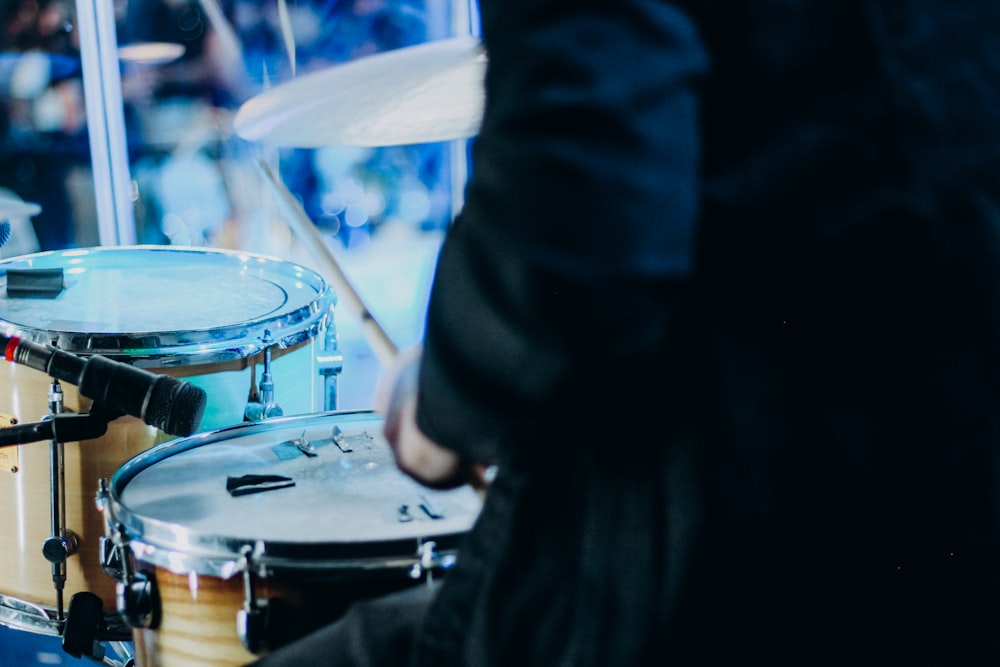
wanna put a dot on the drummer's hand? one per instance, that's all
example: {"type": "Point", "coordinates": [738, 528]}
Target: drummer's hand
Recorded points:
{"type": "Point", "coordinates": [416, 455]}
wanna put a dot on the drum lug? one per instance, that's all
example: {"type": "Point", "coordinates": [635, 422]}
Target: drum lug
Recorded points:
{"type": "Point", "coordinates": [111, 558]}
{"type": "Point", "coordinates": [136, 594]}
{"type": "Point", "coordinates": [251, 626]}
{"type": "Point", "coordinates": [109, 549]}
{"type": "Point", "coordinates": [428, 560]}
{"type": "Point", "coordinates": [253, 620]}
{"type": "Point", "coordinates": [137, 601]}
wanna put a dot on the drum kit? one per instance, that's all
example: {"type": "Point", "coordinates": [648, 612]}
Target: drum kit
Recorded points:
{"type": "Point", "coordinates": [141, 545]}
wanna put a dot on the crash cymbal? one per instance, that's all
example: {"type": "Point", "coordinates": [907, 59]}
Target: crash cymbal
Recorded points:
{"type": "Point", "coordinates": [417, 94]}
{"type": "Point", "coordinates": [15, 208]}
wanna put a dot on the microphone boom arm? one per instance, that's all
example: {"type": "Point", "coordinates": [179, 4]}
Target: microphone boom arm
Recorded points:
{"type": "Point", "coordinates": [64, 427]}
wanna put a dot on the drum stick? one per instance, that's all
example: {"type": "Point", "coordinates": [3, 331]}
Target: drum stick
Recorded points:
{"type": "Point", "coordinates": [304, 228]}
{"type": "Point", "coordinates": [384, 348]}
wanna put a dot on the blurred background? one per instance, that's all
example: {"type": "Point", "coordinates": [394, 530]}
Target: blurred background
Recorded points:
{"type": "Point", "coordinates": [186, 67]}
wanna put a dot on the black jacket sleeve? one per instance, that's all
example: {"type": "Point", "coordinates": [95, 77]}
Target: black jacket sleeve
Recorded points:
{"type": "Point", "coordinates": [578, 221]}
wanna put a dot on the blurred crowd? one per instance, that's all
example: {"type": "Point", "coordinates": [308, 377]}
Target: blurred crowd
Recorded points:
{"type": "Point", "coordinates": [193, 178]}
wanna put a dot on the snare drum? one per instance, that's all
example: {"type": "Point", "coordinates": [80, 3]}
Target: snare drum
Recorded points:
{"type": "Point", "coordinates": [208, 317]}
{"type": "Point", "coordinates": [235, 542]}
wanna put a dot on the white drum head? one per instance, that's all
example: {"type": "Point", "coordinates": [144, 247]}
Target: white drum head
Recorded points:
{"type": "Point", "coordinates": [348, 501]}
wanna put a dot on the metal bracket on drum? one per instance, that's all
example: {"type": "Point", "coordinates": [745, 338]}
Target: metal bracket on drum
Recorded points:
{"type": "Point", "coordinates": [330, 363]}
{"type": "Point", "coordinates": [253, 620]}
{"type": "Point", "coordinates": [261, 405]}
{"type": "Point", "coordinates": [136, 595]}
{"type": "Point", "coordinates": [108, 550]}
{"type": "Point", "coordinates": [430, 561]}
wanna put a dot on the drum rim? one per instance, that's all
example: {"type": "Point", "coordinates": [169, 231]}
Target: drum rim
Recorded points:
{"type": "Point", "coordinates": [182, 550]}
{"type": "Point", "coordinates": [19, 614]}
{"type": "Point", "coordinates": [44, 619]}
{"type": "Point", "coordinates": [179, 347]}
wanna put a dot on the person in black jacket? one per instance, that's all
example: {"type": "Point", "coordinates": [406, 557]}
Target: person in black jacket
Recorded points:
{"type": "Point", "coordinates": [723, 309]}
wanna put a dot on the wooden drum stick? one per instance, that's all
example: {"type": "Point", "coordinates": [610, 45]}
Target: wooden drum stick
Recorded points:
{"type": "Point", "coordinates": [304, 228]}
{"type": "Point", "coordinates": [385, 349]}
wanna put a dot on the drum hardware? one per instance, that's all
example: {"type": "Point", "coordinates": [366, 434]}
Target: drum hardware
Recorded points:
{"type": "Point", "coordinates": [172, 405]}
{"type": "Point", "coordinates": [210, 347]}
{"type": "Point", "coordinates": [85, 625]}
{"type": "Point", "coordinates": [63, 427]}
{"type": "Point", "coordinates": [87, 631]}
{"type": "Point", "coordinates": [60, 544]}
{"type": "Point", "coordinates": [137, 599]}
{"type": "Point", "coordinates": [430, 561]}
{"type": "Point", "coordinates": [17, 613]}
{"type": "Point", "coordinates": [343, 441]}
{"type": "Point", "coordinates": [239, 574]}
{"type": "Point", "coordinates": [431, 508]}
{"type": "Point", "coordinates": [261, 405]}
{"type": "Point", "coordinates": [329, 363]}
{"type": "Point", "coordinates": [109, 551]}
{"type": "Point", "coordinates": [82, 626]}
{"type": "Point", "coordinates": [303, 444]}
{"type": "Point", "coordinates": [59, 427]}
{"type": "Point", "coordinates": [135, 592]}
{"type": "Point", "coordinates": [252, 620]}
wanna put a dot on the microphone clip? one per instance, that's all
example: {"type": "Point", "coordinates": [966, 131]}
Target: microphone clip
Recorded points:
{"type": "Point", "coordinates": [63, 427]}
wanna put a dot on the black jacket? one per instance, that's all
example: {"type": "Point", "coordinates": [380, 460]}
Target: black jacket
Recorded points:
{"type": "Point", "coordinates": [724, 305]}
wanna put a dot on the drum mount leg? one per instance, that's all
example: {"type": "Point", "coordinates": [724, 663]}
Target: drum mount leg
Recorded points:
{"type": "Point", "coordinates": [261, 405]}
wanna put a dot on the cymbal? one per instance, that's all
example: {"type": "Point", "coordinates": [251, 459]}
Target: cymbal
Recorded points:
{"type": "Point", "coordinates": [15, 208]}
{"type": "Point", "coordinates": [416, 94]}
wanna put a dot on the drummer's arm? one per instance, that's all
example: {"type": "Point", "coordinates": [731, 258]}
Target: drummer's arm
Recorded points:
{"type": "Point", "coordinates": [417, 455]}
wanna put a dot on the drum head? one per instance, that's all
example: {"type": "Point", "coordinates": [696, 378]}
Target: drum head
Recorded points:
{"type": "Point", "coordinates": [162, 306]}
{"type": "Point", "coordinates": [345, 497]}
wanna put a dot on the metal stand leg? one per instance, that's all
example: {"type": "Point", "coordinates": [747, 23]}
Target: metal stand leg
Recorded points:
{"type": "Point", "coordinates": [61, 543]}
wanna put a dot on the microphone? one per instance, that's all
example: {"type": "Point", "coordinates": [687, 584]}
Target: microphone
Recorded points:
{"type": "Point", "coordinates": [4, 233]}
{"type": "Point", "coordinates": [173, 406]}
